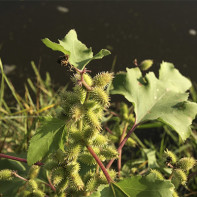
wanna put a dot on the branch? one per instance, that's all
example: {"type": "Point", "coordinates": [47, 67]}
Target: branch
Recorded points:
{"type": "Point", "coordinates": [100, 164]}
{"type": "Point", "coordinates": [123, 143]}
{"type": "Point", "coordinates": [18, 159]}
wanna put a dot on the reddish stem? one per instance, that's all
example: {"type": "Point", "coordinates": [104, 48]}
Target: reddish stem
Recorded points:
{"type": "Point", "coordinates": [122, 144]}
{"type": "Point", "coordinates": [18, 176]}
{"type": "Point", "coordinates": [100, 164]}
{"type": "Point", "coordinates": [18, 159]}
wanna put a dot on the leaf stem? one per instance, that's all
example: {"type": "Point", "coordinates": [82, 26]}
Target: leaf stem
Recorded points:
{"type": "Point", "coordinates": [123, 143]}
{"type": "Point", "coordinates": [18, 176]}
{"type": "Point", "coordinates": [109, 180]}
{"type": "Point", "coordinates": [18, 159]}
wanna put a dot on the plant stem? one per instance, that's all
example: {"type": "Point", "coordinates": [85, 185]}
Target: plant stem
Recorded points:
{"type": "Point", "coordinates": [120, 152]}
{"type": "Point", "coordinates": [109, 180]}
{"type": "Point", "coordinates": [50, 184]}
{"type": "Point", "coordinates": [18, 159]}
{"type": "Point", "coordinates": [18, 176]}
{"type": "Point", "coordinates": [122, 143]}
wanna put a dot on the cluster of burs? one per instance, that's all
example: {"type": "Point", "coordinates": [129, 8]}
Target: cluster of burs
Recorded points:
{"type": "Point", "coordinates": [83, 110]}
{"type": "Point", "coordinates": [180, 169]}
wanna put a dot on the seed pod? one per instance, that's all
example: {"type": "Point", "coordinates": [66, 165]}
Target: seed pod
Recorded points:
{"type": "Point", "coordinates": [33, 172]}
{"type": "Point", "coordinates": [92, 120]}
{"type": "Point", "coordinates": [58, 175]}
{"type": "Point", "coordinates": [81, 92]}
{"type": "Point", "coordinates": [90, 133]}
{"type": "Point", "coordinates": [186, 163]}
{"type": "Point", "coordinates": [32, 185]}
{"type": "Point", "coordinates": [73, 167]}
{"type": "Point", "coordinates": [86, 158]}
{"type": "Point", "coordinates": [76, 112]}
{"type": "Point", "coordinates": [76, 181]}
{"type": "Point", "coordinates": [63, 186]}
{"type": "Point", "coordinates": [157, 174]}
{"type": "Point", "coordinates": [72, 152]}
{"type": "Point", "coordinates": [50, 164]}
{"type": "Point", "coordinates": [6, 175]}
{"type": "Point", "coordinates": [100, 96]}
{"type": "Point", "coordinates": [102, 79]}
{"type": "Point", "coordinates": [38, 193]}
{"type": "Point", "coordinates": [109, 152]}
{"type": "Point", "coordinates": [180, 175]}
{"type": "Point", "coordinates": [92, 184]}
{"type": "Point", "coordinates": [100, 140]}
{"type": "Point", "coordinates": [171, 155]}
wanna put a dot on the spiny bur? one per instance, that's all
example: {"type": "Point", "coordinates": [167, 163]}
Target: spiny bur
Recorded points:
{"type": "Point", "coordinates": [6, 175]}
{"type": "Point", "coordinates": [180, 175]}
{"type": "Point", "coordinates": [100, 96]}
{"type": "Point", "coordinates": [186, 163]}
{"type": "Point", "coordinates": [171, 155]}
{"type": "Point", "coordinates": [157, 174]}
{"type": "Point", "coordinates": [102, 79]}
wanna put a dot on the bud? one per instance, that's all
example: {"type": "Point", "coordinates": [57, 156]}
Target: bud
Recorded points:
{"type": "Point", "coordinates": [81, 92]}
{"type": "Point", "coordinates": [186, 163]}
{"type": "Point", "coordinates": [63, 186]}
{"type": "Point", "coordinates": [100, 140]}
{"type": "Point", "coordinates": [6, 175]}
{"type": "Point", "coordinates": [146, 64]}
{"type": "Point", "coordinates": [73, 167]}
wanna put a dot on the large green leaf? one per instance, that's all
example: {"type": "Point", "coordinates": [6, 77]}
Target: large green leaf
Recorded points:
{"type": "Point", "coordinates": [137, 186]}
{"type": "Point", "coordinates": [164, 98]}
{"type": "Point", "coordinates": [49, 138]}
{"type": "Point", "coordinates": [79, 54]}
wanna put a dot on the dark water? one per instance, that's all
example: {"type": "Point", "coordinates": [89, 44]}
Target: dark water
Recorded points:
{"type": "Point", "coordinates": [153, 30]}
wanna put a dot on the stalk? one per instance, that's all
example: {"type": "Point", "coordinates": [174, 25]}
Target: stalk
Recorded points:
{"type": "Point", "coordinates": [109, 180]}
{"type": "Point", "coordinates": [123, 143]}
{"type": "Point", "coordinates": [18, 159]}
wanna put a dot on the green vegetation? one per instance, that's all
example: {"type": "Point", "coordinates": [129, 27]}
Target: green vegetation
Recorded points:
{"type": "Point", "coordinates": [78, 143]}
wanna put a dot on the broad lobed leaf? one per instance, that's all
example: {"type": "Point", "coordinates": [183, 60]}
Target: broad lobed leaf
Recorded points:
{"type": "Point", "coordinates": [164, 98]}
{"type": "Point", "coordinates": [137, 186]}
{"type": "Point", "coordinates": [79, 54]}
{"type": "Point", "coordinates": [49, 138]}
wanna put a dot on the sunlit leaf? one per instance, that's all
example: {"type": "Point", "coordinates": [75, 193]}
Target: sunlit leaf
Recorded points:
{"type": "Point", "coordinates": [79, 54]}
{"type": "Point", "coordinates": [164, 98]}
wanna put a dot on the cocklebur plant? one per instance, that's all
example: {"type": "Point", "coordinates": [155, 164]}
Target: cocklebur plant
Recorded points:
{"type": "Point", "coordinates": [76, 151]}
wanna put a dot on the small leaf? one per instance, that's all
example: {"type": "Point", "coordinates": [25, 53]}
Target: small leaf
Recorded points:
{"type": "Point", "coordinates": [79, 54]}
{"type": "Point", "coordinates": [152, 161]}
{"type": "Point", "coordinates": [162, 98]}
{"type": "Point", "coordinates": [49, 138]}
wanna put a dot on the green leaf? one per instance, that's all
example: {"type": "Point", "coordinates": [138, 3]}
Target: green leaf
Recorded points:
{"type": "Point", "coordinates": [152, 161]}
{"type": "Point", "coordinates": [49, 138]}
{"type": "Point", "coordinates": [137, 186]}
{"type": "Point", "coordinates": [164, 98]}
{"type": "Point", "coordinates": [79, 54]}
